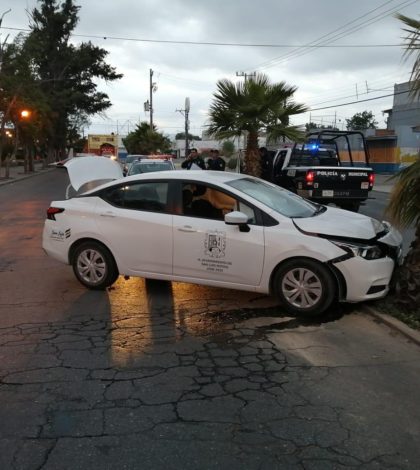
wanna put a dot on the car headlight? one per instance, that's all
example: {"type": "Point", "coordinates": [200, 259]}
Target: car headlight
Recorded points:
{"type": "Point", "coordinates": [364, 251]}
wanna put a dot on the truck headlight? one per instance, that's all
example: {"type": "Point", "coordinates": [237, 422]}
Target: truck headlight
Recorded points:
{"type": "Point", "coordinates": [364, 251]}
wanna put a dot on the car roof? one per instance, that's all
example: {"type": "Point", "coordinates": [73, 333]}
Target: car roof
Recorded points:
{"type": "Point", "coordinates": [203, 176]}
{"type": "Point", "coordinates": [89, 169]}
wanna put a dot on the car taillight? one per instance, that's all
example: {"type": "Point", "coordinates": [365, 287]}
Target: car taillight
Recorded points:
{"type": "Point", "coordinates": [371, 179]}
{"type": "Point", "coordinates": [310, 175]}
{"type": "Point", "coordinates": [52, 211]}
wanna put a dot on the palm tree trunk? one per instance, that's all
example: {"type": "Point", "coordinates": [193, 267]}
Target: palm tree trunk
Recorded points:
{"type": "Point", "coordinates": [252, 155]}
{"type": "Point", "coordinates": [407, 276]}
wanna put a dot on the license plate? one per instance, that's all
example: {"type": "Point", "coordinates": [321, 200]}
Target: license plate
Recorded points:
{"type": "Point", "coordinates": [328, 193]}
{"type": "Point", "coordinates": [365, 185]}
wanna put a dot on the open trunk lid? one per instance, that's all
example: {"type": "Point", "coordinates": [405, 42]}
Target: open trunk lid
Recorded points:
{"type": "Point", "coordinates": [90, 172]}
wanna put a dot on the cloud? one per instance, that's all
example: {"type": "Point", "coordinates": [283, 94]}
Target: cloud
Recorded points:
{"type": "Point", "coordinates": [323, 75]}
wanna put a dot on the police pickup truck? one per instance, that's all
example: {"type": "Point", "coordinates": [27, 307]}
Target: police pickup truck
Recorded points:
{"type": "Point", "coordinates": [323, 169]}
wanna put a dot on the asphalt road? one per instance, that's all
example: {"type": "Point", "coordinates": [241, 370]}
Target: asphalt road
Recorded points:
{"type": "Point", "coordinates": [158, 375]}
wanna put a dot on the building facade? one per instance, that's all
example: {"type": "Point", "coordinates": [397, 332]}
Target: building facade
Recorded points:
{"type": "Point", "coordinates": [399, 144]}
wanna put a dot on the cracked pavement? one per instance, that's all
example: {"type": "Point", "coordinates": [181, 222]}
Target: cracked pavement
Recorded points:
{"type": "Point", "coordinates": [158, 375]}
{"type": "Point", "coordinates": [154, 375]}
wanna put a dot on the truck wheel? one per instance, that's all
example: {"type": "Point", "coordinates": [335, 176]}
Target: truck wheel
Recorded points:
{"type": "Point", "coordinates": [94, 266]}
{"type": "Point", "coordinates": [351, 206]}
{"type": "Point", "coordinates": [305, 287]}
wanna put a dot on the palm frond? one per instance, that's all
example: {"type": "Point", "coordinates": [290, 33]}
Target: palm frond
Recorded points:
{"type": "Point", "coordinates": [412, 46]}
{"type": "Point", "coordinates": [278, 131]}
{"type": "Point", "coordinates": [404, 205]}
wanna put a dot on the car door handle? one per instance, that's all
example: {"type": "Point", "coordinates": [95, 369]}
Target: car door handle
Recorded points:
{"type": "Point", "coordinates": [108, 214]}
{"type": "Point", "coordinates": [187, 228]}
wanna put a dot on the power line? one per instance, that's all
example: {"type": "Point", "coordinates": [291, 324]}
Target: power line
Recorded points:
{"type": "Point", "coordinates": [359, 101]}
{"type": "Point", "coordinates": [321, 42]}
{"type": "Point", "coordinates": [205, 43]}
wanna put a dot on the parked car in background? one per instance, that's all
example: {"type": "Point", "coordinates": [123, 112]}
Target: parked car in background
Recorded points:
{"type": "Point", "coordinates": [218, 229]}
{"type": "Point", "coordinates": [148, 165]}
{"type": "Point", "coordinates": [129, 159]}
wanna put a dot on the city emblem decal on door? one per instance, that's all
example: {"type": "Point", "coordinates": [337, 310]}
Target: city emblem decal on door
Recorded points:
{"type": "Point", "coordinates": [215, 244]}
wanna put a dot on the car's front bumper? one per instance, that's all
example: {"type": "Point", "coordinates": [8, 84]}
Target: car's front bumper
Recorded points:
{"type": "Point", "coordinates": [366, 279]}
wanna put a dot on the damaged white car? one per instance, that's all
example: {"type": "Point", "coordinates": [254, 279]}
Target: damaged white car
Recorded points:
{"type": "Point", "coordinates": [218, 229]}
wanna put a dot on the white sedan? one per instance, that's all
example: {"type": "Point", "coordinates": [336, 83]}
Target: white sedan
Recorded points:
{"type": "Point", "coordinates": [218, 229]}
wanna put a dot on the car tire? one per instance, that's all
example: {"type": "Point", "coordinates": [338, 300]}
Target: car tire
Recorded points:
{"type": "Point", "coordinates": [94, 266]}
{"type": "Point", "coordinates": [305, 287]}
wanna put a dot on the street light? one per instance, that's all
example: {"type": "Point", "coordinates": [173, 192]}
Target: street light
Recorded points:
{"type": "Point", "coordinates": [25, 114]}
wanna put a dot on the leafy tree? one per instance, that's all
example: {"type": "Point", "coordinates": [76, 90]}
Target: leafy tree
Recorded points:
{"type": "Point", "coordinates": [20, 90]}
{"type": "Point", "coordinates": [181, 136]}
{"type": "Point", "coordinates": [404, 204]}
{"type": "Point", "coordinates": [361, 121]}
{"type": "Point", "coordinates": [228, 148]}
{"type": "Point", "coordinates": [309, 126]}
{"type": "Point", "coordinates": [144, 140]}
{"type": "Point", "coordinates": [254, 106]}
{"type": "Point", "coordinates": [67, 74]}
{"type": "Point", "coordinates": [413, 47]}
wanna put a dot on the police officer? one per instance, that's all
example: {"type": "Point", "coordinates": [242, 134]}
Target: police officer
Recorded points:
{"type": "Point", "coordinates": [193, 159]}
{"type": "Point", "coordinates": [216, 162]}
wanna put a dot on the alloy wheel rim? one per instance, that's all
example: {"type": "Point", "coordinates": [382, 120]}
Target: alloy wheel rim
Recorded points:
{"type": "Point", "coordinates": [301, 288]}
{"type": "Point", "coordinates": [91, 266]}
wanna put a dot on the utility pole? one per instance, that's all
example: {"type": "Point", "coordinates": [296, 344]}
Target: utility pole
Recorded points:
{"type": "Point", "coordinates": [153, 88]}
{"type": "Point", "coordinates": [246, 76]}
{"type": "Point", "coordinates": [185, 112]}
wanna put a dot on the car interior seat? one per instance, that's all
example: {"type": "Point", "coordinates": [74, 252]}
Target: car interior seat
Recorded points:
{"type": "Point", "coordinates": [201, 207]}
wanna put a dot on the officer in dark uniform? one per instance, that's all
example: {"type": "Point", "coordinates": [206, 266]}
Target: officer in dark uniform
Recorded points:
{"type": "Point", "coordinates": [193, 158]}
{"type": "Point", "coordinates": [216, 162]}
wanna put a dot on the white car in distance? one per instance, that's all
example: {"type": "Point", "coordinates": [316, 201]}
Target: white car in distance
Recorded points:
{"type": "Point", "coordinates": [218, 229]}
{"type": "Point", "coordinates": [149, 165]}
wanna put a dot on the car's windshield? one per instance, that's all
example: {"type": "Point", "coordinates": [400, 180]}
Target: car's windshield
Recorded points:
{"type": "Point", "coordinates": [278, 199]}
{"type": "Point", "coordinates": [145, 167]}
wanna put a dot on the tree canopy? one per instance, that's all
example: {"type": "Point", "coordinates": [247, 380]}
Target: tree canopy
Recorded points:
{"type": "Point", "coordinates": [45, 72]}
{"type": "Point", "coordinates": [361, 121]}
{"type": "Point", "coordinates": [181, 136]}
{"type": "Point", "coordinates": [412, 47]}
{"type": "Point", "coordinates": [145, 141]}
{"type": "Point", "coordinates": [255, 106]}
{"type": "Point", "coordinates": [404, 204]}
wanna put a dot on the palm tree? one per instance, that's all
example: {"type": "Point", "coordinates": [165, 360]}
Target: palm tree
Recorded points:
{"type": "Point", "coordinates": [412, 47]}
{"type": "Point", "coordinates": [404, 205]}
{"type": "Point", "coordinates": [254, 106]}
{"type": "Point", "coordinates": [404, 210]}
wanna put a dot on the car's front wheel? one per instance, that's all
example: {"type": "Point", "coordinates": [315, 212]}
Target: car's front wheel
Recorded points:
{"type": "Point", "coordinates": [94, 266]}
{"type": "Point", "coordinates": [304, 287]}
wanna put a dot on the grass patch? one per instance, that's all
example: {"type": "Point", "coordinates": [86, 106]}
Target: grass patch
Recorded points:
{"type": "Point", "coordinates": [390, 306]}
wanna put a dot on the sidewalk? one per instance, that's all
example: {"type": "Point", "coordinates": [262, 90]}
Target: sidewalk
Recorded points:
{"type": "Point", "coordinates": [383, 183]}
{"type": "Point", "coordinates": [17, 173]}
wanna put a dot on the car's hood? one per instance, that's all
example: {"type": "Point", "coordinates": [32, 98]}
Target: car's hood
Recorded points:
{"type": "Point", "coordinates": [340, 223]}
{"type": "Point", "coordinates": [90, 169]}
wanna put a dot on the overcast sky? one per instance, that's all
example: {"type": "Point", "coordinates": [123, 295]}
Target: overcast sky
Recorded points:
{"type": "Point", "coordinates": [325, 76]}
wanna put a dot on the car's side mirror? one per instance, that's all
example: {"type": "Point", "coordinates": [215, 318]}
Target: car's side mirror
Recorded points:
{"type": "Point", "coordinates": [237, 218]}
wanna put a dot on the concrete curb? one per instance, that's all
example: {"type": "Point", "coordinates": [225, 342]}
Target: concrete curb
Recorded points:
{"type": "Point", "coordinates": [394, 324]}
{"type": "Point", "coordinates": [15, 179]}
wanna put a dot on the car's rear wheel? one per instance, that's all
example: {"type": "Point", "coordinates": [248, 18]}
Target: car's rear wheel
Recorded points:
{"type": "Point", "coordinates": [305, 287]}
{"type": "Point", "coordinates": [94, 266]}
